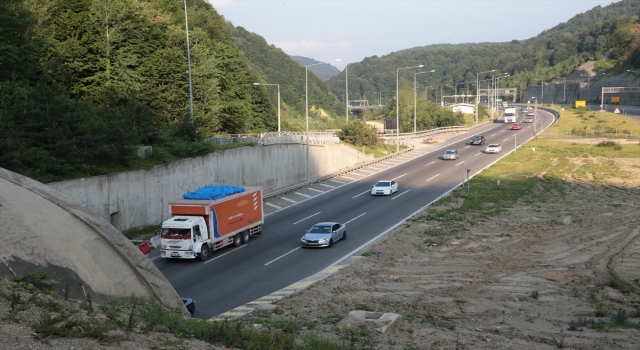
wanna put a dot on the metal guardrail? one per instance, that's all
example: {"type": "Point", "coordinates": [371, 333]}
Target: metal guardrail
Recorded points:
{"type": "Point", "coordinates": [443, 130]}
{"type": "Point", "coordinates": [234, 138]}
{"type": "Point", "coordinates": [315, 138]}
{"type": "Point", "coordinates": [332, 175]}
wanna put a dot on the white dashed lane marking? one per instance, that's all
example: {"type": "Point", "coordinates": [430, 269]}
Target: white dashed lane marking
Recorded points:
{"type": "Point", "coordinates": [302, 194]}
{"type": "Point", "coordinates": [288, 200]}
{"type": "Point", "coordinates": [273, 205]}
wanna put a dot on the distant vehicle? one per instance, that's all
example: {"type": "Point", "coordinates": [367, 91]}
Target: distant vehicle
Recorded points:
{"type": "Point", "coordinates": [516, 126]}
{"type": "Point", "coordinates": [505, 105]}
{"type": "Point", "coordinates": [477, 140]}
{"type": "Point", "coordinates": [524, 109]}
{"type": "Point", "coordinates": [190, 304]}
{"type": "Point", "coordinates": [510, 115]}
{"type": "Point", "coordinates": [531, 113]}
{"type": "Point", "coordinates": [493, 148]}
{"type": "Point", "coordinates": [324, 234]}
{"type": "Point", "coordinates": [528, 120]}
{"type": "Point", "coordinates": [384, 187]}
{"type": "Point", "coordinates": [513, 106]}
{"type": "Point", "coordinates": [450, 154]}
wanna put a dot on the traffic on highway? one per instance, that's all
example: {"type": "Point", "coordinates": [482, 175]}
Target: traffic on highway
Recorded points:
{"type": "Point", "coordinates": [276, 259]}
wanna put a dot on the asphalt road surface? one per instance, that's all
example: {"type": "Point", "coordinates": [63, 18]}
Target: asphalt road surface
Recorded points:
{"type": "Point", "coordinates": [233, 277]}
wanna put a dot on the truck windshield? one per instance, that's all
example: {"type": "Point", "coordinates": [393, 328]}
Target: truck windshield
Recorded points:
{"type": "Point", "coordinates": [176, 233]}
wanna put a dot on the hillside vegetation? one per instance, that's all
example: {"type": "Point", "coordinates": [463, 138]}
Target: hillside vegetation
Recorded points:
{"type": "Point", "coordinates": [83, 82]}
{"type": "Point", "coordinates": [554, 53]}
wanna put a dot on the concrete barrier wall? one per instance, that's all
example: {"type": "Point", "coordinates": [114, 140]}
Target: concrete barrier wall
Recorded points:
{"type": "Point", "coordinates": [138, 198]}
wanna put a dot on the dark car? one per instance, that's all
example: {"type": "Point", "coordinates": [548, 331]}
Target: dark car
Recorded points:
{"type": "Point", "coordinates": [190, 304]}
{"type": "Point", "coordinates": [477, 140]}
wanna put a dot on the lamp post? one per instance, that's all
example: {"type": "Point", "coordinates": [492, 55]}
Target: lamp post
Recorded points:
{"type": "Point", "coordinates": [535, 114]}
{"type": "Point", "coordinates": [415, 99]}
{"type": "Point", "coordinates": [398, 105]}
{"type": "Point", "coordinates": [494, 105]}
{"type": "Point", "coordinates": [588, 77]}
{"type": "Point", "coordinates": [306, 100]}
{"type": "Point", "coordinates": [278, 85]}
{"type": "Point", "coordinates": [542, 86]}
{"type": "Point", "coordinates": [186, 23]}
{"type": "Point", "coordinates": [346, 90]}
{"type": "Point", "coordinates": [564, 95]}
{"type": "Point", "coordinates": [478, 92]}
{"type": "Point", "coordinates": [468, 184]}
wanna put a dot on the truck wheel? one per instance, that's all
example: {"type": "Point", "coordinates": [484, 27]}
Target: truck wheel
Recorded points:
{"type": "Point", "coordinates": [245, 236]}
{"type": "Point", "coordinates": [204, 253]}
{"type": "Point", "coordinates": [237, 240]}
{"type": "Point", "coordinates": [344, 235]}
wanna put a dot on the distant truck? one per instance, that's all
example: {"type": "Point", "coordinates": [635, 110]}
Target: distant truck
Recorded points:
{"type": "Point", "coordinates": [199, 227]}
{"type": "Point", "coordinates": [510, 115]}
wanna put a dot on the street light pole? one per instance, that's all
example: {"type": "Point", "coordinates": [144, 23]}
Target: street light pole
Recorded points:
{"type": "Point", "coordinates": [415, 99]}
{"type": "Point", "coordinates": [306, 100]}
{"type": "Point", "coordinates": [398, 105]}
{"type": "Point", "coordinates": [278, 85]}
{"type": "Point", "coordinates": [346, 89]}
{"type": "Point", "coordinates": [186, 23]}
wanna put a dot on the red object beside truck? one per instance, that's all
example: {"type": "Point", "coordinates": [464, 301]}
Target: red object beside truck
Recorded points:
{"type": "Point", "coordinates": [199, 227]}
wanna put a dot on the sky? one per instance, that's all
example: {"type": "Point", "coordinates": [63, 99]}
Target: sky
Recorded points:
{"type": "Point", "coordinates": [351, 30]}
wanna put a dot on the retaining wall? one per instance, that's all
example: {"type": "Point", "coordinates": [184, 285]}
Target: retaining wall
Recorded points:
{"type": "Point", "coordinates": [138, 198]}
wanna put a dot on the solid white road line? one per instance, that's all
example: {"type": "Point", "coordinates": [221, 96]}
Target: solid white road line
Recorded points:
{"type": "Point", "coordinates": [221, 255]}
{"type": "Point", "coordinates": [395, 178]}
{"type": "Point", "coordinates": [302, 194]}
{"type": "Point", "coordinates": [355, 218]}
{"type": "Point", "coordinates": [282, 256]}
{"type": "Point", "coordinates": [433, 177]}
{"type": "Point", "coordinates": [273, 205]}
{"type": "Point", "coordinates": [313, 189]}
{"type": "Point", "coordinates": [361, 194]}
{"type": "Point", "coordinates": [430, 163]}
{"type": "Point", "coordinates": [327, 186]}
{"type": "Point", "coordinates": [310, 216]}
{"type": "Point", "coordinates": [398, 195]}
{"type": "Point", "coordinates": [288, 200]}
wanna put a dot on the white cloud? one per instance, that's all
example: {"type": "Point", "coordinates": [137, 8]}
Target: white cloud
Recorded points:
{"type": "Point", "coordinates": [310, 46]}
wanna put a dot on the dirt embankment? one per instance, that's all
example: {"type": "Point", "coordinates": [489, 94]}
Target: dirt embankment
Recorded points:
{"type": "Point", "coordinates": [537, 276]}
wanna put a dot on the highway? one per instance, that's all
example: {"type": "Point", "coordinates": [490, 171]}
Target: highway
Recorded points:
{"type": "Point", "coordinates": [232, 277]}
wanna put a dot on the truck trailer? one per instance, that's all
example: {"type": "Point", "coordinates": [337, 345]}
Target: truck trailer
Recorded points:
{"type": "Point", "coordinates": [201, 226]}
{"type": "Point", "coordinates": [510, 115]}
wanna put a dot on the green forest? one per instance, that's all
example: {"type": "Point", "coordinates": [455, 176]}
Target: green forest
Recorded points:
{"type": "Point", "coordinates": [84, 83]}
{"type": "Point", "coordinates": [554, 53]}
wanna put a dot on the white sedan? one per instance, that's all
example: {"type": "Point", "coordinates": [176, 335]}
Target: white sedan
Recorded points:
{"type": "Point", "coordinates": [493, 148]}
{"type": "Point", "coordinates": [384, 187]}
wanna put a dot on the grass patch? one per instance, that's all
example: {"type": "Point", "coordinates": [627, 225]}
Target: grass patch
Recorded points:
{"type": "Point", "coordinates": [622, 286]}
{"type": "Point", "coordinates": [587, 124]}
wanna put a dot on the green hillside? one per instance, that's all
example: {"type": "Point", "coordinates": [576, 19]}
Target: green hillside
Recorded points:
{"type": "Point", "coordinates": [84, 82]}
{"type": "Point", "coordinates": [551, 54]}
{"type": "Point", "coordinates": [323, 71]}
{"type": "Point", "coordinates": [274, 66]}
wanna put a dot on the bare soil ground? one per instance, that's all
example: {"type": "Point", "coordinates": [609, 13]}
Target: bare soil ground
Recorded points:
{"type": "Point", "coordinates": [529, 278]}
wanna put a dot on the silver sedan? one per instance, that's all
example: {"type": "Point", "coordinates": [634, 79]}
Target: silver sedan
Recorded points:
{"type": "Point", "coordinates": [324, 234]}
{"type": "Point", "coordinates": [450, 154]}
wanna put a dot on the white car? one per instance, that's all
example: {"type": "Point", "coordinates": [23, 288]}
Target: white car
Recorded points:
{"type": "Point", "coordinates": [493, 148]}
{"type": "Point", "coordinates": [528, 120]}
{"type": "Point", "coordinates": [384, 187]}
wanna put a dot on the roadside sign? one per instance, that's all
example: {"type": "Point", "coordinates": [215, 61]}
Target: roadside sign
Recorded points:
{"type": "Point", "coordinates": [615, 99]}
{"type": "Point", "coordinates": [617, 111]}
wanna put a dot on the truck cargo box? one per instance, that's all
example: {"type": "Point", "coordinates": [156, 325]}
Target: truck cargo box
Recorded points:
{"type": "Point", "coordinates": [225, 216]}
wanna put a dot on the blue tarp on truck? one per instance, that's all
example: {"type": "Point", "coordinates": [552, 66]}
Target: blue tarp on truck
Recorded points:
{"type": "Point", "coordinates": [213, 192]}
